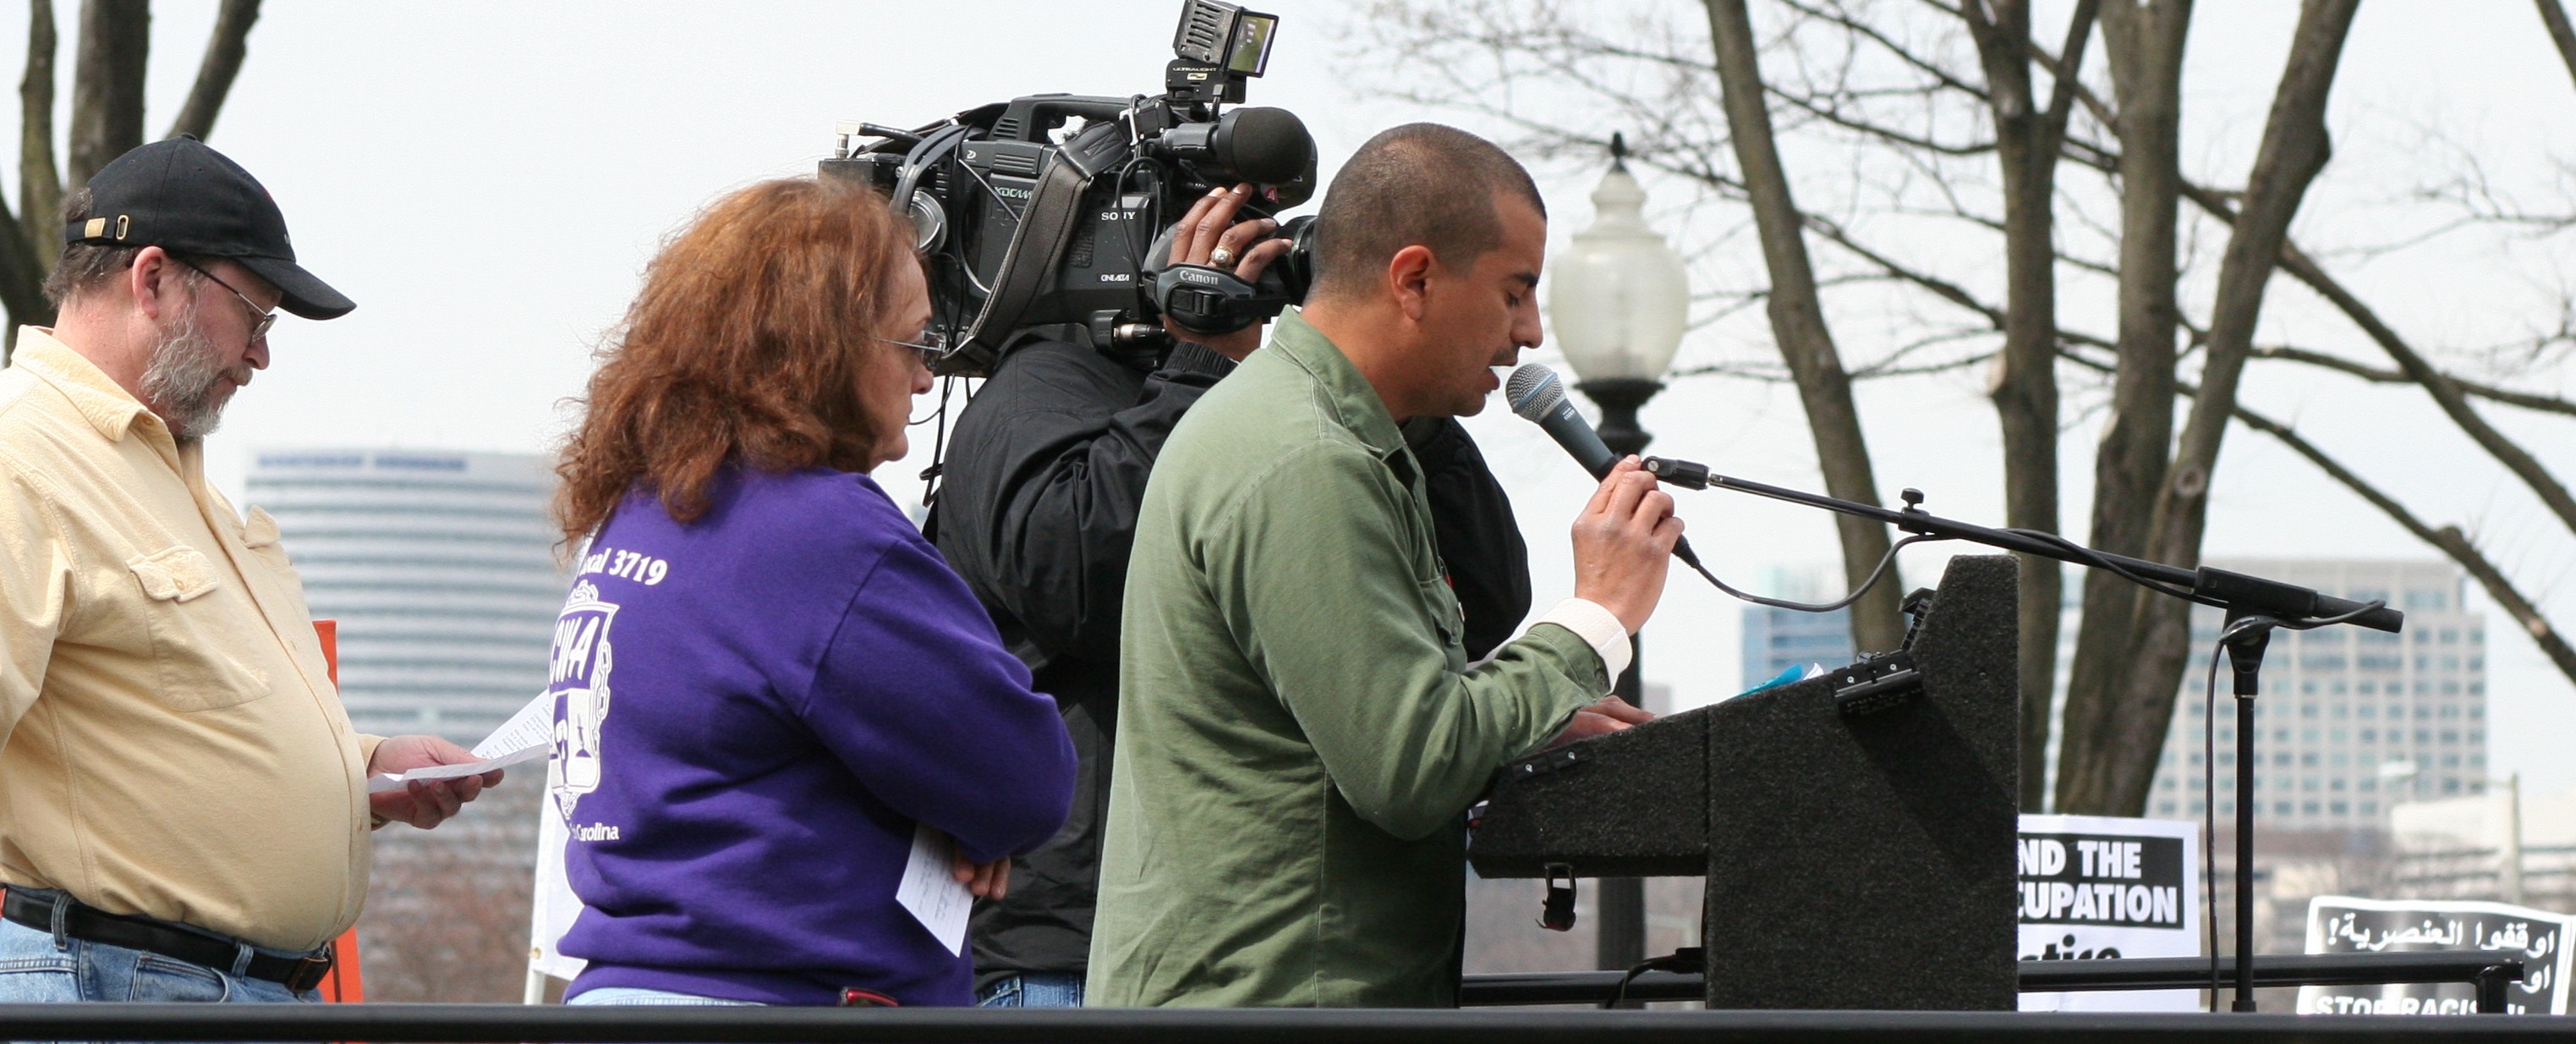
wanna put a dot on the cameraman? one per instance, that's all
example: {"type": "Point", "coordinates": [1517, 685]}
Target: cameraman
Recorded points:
{"type": "Point", "coordinates": [1037, 510]}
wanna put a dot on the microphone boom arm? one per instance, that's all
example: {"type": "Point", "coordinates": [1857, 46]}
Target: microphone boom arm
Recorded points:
{"type": "Point", "coordinates": [2222, 588]}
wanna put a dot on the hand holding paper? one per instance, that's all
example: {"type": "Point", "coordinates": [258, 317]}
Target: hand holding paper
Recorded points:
{"type": "Point", "coordinates": [410, 793]}
{"type": "Point", "coordinates": [527, 736]}
{"type": "Point", "coordinates": [930, 890]}
{"type": "Point", "coordinates": [379, 784]}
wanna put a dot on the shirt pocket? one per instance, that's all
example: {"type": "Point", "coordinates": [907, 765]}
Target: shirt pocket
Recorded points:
{"type": "Point", "coordinates": [1448, 619]}
{"type": "Point", "coordinates": [195, 633]}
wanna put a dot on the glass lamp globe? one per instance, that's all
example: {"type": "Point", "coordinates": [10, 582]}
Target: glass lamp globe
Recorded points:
{"type": "Point", "coordinates": [1619, 296]}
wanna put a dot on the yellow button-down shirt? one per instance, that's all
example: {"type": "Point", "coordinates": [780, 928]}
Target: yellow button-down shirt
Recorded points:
{"type": "Point", "coordinates": [171, 744]}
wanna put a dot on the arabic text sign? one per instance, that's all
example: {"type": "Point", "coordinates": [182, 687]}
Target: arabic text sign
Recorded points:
{"type": "Point", "coordinates": [2339, 924]}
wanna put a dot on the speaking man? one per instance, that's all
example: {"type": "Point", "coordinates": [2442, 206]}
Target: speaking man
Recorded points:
{"type": "Point", "coordinates": [1036, 508]}
{"type": "Point", "coordinates": [183, 805]}
{"type": "Point", "coordinates": [1301, 730]}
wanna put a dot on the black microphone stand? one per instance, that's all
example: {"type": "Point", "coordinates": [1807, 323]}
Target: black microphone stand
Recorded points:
{"type": "Point", "coordinates": [2254, 607]}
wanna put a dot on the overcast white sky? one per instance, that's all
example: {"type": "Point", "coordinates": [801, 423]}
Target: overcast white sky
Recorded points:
{"type": "Point", "coordinates": [486, 180]}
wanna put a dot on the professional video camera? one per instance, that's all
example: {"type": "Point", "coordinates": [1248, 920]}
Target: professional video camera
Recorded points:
{"type": "Point", "coordinates": [1045, 210]}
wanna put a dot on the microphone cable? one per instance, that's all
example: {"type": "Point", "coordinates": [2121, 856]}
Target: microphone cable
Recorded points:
{"type": "Point", "coordinates": [1875, 575]}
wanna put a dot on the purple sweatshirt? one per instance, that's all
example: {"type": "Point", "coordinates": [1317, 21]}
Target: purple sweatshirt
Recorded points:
{"type": "Point", "coordinates": [752, 712]}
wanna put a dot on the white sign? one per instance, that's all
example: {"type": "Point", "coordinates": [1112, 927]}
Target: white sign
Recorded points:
{"type": "Point", "coordinates": [2340, 924]}
{"type": "Point", "coordinates": [2098, 887]}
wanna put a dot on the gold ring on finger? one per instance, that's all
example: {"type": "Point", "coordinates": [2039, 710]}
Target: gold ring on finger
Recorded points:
{"type": "Point", "coordinates": [1221, 257]}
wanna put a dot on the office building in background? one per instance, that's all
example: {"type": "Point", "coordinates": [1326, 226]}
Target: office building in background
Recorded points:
{"type": "Point", "coordinates": [2351, 720]}
{"type": "Point", "coordinates": [440, 568]}
{"type": "Point", "coordinates": [1778, 639]}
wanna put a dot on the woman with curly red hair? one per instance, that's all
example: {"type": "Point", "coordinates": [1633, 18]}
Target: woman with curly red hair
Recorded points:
{"type": "Point", "coordinates": [770, 689]}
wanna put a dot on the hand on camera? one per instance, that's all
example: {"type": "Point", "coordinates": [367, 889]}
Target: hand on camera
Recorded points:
{"type": "Point", "coordinates": [1623, 544]}
{"type": "Point", "coordinates": [1210, 227]}
{"type": "Point", "coordinates": [1601, 719]}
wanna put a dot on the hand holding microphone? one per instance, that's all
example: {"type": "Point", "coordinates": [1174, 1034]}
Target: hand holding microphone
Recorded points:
{"type": "Point", "coordinates": [1622, 542]}
{"type": "Point", "coordinates": [1628, 530]}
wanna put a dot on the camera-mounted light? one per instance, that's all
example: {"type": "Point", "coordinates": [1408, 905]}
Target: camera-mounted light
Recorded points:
{"type": "Point", "coordinates": [1220, 46]}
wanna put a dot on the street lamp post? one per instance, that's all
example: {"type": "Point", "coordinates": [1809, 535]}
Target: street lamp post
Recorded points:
{"type": "Point", "coordinates": [1620, 300]}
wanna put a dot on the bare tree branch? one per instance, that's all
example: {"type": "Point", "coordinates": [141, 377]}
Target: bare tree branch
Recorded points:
{"type": "Point", "coordinates": [2449, 539]}
{"type": "Point", "coordinates": [2439, 385]}
{"type": "Point", "coordinates": [107, 83]}
{"type": "Point", "coordinates": [40, 185]}
{"type": "Point", "coordinates": [2025, 385]}
{"type": "Point", "coordinates": [2144, 46]}
{"type": "Point", "coordinates": [2555, 17]}
{"type": "Point", "coordinates": [26, 241]}
{"type": "Point", "coordinates": [2446, 392]}
{"type": "Point", "coordinates": [2114, 779]}
{"type": "Point", "coordinates": [224, 50]}
{"type": "Point", "coordinates": [1798, 321]}
{"type": "Point", "coordinates": [1837, 117]}
{"type": "Point", "coordinates": [2375, 375]}
{"type": "Point", "coordinates": [1895, 50]}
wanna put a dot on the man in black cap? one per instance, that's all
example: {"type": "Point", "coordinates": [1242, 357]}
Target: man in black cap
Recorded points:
{"type": "Point", "coordinates": [183, 806]}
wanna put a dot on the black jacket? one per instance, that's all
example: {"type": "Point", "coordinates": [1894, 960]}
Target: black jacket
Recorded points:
{"type": "Point", "coordinates": [1037, 509]}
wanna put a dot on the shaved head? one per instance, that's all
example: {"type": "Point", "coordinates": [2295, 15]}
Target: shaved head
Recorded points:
{"type": "Point", "coordinates": [1421, 183]}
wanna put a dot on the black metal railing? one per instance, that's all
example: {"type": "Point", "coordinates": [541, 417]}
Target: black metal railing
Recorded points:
{"type": "Point", "coordinates": [2491, 973]}
{"type": "Point", "coordinates": [474, 1023]}
{"type": "Point", "coordinates": [469, 1023]}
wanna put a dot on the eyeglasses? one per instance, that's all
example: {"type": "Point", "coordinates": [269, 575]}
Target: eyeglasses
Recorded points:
{"type": "Point", "coordinates": [932, 346]}
{"type": "Point", "coordinates": [260, 320]}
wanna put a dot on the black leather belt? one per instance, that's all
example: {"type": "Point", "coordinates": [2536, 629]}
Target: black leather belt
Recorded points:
{"type": "Point", "coordinates": [90, 924]}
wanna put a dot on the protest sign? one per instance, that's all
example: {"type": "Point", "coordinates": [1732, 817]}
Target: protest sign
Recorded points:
{"type": "Point", "coordinates": [2341, 924]}
{"type": "Point", "coordinates": [2097, 887]}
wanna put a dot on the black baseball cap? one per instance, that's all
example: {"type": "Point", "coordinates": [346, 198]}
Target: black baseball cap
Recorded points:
{"type": "Point", "coordinates": [185, 198]}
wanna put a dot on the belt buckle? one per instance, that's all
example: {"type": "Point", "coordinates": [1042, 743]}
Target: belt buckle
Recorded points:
{"type": "Point", "coordinates": [308, 973]}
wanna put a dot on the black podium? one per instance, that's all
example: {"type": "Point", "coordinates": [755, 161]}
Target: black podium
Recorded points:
{"type": "Point", "coordinates": [1856, 830]}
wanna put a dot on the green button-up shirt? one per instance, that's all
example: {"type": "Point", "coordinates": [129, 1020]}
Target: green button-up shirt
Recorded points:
{"type": "Point", "coordinates": [1300, 732]}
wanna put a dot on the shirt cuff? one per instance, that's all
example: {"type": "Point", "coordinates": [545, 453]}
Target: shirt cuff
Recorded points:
{"type": "Point", "coordinates": [1193, 357]}
{"type": "Point", "coordinates": [1597, 627]}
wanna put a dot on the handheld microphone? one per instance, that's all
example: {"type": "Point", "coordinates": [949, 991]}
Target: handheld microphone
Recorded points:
{"type": "Point", "coordinates": [1539, 397]}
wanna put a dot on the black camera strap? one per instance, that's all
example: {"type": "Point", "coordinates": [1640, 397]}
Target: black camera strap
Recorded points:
{"type": "Point", "coordinates": [1046, 227]}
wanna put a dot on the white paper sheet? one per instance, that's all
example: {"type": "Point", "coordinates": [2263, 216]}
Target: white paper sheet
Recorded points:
{"type": "Point", "coordinates": [379, 783]}
{"type": "Point", "coordinates": [930, 891]}
{"type": "Point", "coordinates": [533, 726]}
{"type": "Point", "coordinates": [527, 736]}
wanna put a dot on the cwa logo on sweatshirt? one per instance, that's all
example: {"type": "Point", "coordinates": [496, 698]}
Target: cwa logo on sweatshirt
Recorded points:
{"type": "Point", "coordinates": [579, 684]}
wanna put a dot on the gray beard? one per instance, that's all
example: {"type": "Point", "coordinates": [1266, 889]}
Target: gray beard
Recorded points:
{"type": "Point", "coordinates": [183, 382]}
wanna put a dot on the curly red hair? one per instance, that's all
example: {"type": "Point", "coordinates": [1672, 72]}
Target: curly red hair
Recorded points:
{"type": "Point", "coordinates": [746, 344]}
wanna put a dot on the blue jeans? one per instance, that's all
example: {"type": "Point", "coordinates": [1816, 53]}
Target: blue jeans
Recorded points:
{"type": "Point", "coordinates": [639, 996]}
{"type": "Point", "coordinates": [1033, 990]}
{"type": "Point", "coordinates": [37, 965]}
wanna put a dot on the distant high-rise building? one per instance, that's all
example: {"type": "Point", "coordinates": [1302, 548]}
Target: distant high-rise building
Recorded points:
{"type": "Point", "coordinates": [1778, 639]}
{"type": "Point", "coordinates": [2351, 720]}
{"type": "Point", "coordinates": [2505, 844]}
{"type": "Point", "coordinates": [440, 569]}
